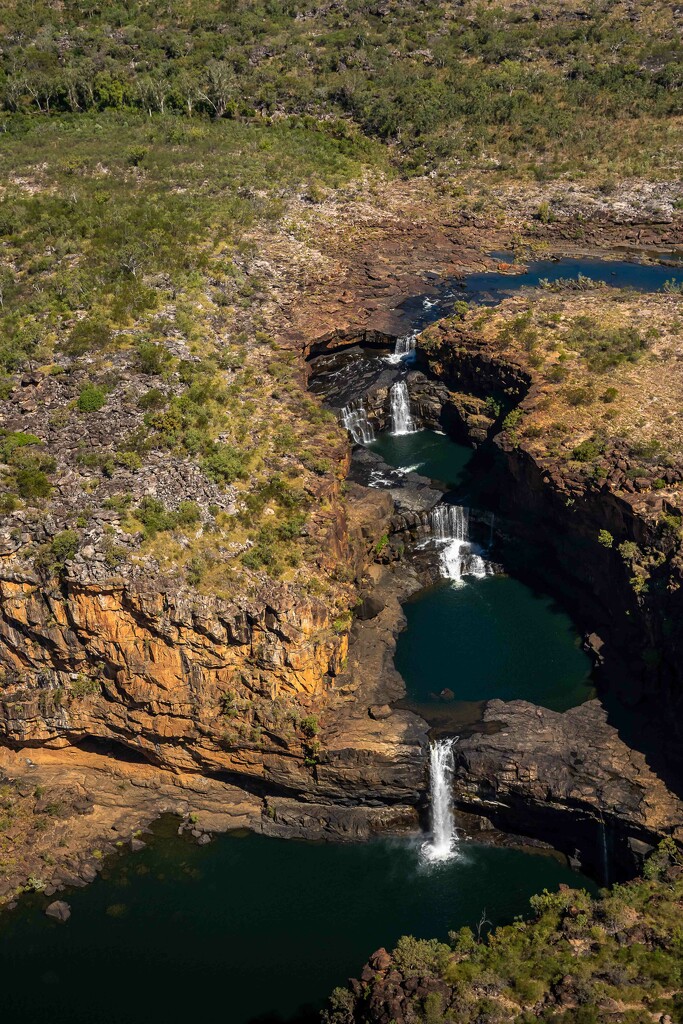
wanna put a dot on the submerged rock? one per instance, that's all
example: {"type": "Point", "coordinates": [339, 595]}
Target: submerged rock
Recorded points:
{"type": "Point", "coordinates": [59, 910]}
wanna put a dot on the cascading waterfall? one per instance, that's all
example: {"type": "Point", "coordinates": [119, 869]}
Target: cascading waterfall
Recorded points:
{"type": "Point", "coordinates": [355, 418]}
{"type": "Point", "coordinates": [404, 349]}
{"type": "Point", "coordinates": [401, 419]}
{"type": "Point", "coordinates": [450, 525]}
{"type": "Point", "coordinates": [441, 768]}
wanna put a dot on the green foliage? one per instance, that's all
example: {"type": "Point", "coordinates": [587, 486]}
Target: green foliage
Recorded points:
{"type": "Point", "coordinates": [91, 398]}
{"type": "Point", "coordinates": [542, 89]}
{"type": "Point", "coordinates": [381, 544]}
{"type": "Point", "coordinates": [579, 396]}
{"type": "Point", "coordinates": [588, 451]}
{"type": "Point", "coordinates": [605, 538]}
{"type": "Point", "coordinates": [91, 334]}
{"type": "Point", "coordinates": [153, 358]}
{"type": "Point", "coordinates": [84, 686]}
{"type": "Point", "coordinates": [492, 407]}
{"type": "Point", "coordinates": [11, 441]}
{"type": "Point", "coordinates": [629, 550]}
{"type": "Point", "coordinates": [605, 347]}
{"type": "Point", "coordinates": [52, 557]}
{"type": "Point", "coordinates": [421, 957]}
{"type": "Point", "coordinates": [512, 420]}
{"type": "Point", "coordinates": [32, 483]}
{"type": "Point", "coordinates": [621, 947]}
{"type": "Point", "coordinates": [670, 523]}
{"type": "Point", "coordinates": [156, 518]}
{"type": "Point", "coordinates": [225, 464]}
{"type": "Point", "coordinates": [545, 213]}
{"type": "Point", "coordinates": [309, 726]}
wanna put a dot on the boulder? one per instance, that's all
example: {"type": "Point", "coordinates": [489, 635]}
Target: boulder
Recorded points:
{"type": "Point", "coordinates": [379, 712]}
{"type": "Point", "coordinates": [59, 911]}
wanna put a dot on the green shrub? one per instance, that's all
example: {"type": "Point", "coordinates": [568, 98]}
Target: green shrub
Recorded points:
{"type": "Point", "coordinates": [579, 396]}
{"type": "Point", "coordinates": [84, 686]}
{"type": "Point", "coordinates": [152, 399]}
{"type": "Point", "coordinates": [605, 538]}
{"type": "Point", "coordinates": [605, 347]}
{"type": "Point", "coordinates": [91, 398]}
{"type": "Point", "coordinates": [89, 335]}
{"type": "Point", "coordinates": [225, 464]}
{"type": "Point", "coordinates": [512, 420]}
{"type": "Point", "coordinates": [156, 518]}
{"type": "Point", "coordinates": [545, 213]}
{"type": "Point", "coordinates": [32, 483]}
{"type": "Point", "coordinates": [153, 359]}
{"type": "Point", "coordinates": [309, 726]}
{"type": "Point", "coordinates": [588, 451]}
{"type": "Point", "coordinates": [629, 550]}
{"type": "Point", "coordinates": [51, 558]}
{"type": "Point", "coordinates": [420, 957]}
{"type": "Point", "coordinates": [13, 440]}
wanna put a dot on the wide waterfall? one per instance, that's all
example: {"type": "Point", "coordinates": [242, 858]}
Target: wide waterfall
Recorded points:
{"type": "Point", "coordinates": [401, 419]}
{"type": "Point", "coordinates": [450, 525]}
{"type": "Point", "coordinates": [450, 522]}
{"type": "Point", "coordinates": [355, 418]}
{"type": "Point", "coordinates": [441, 768]}
{"type": "Point", "coordinates": [404, 349]}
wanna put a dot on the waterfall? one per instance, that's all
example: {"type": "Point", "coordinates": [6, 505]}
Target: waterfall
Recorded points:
{"type": "Point", "coordinates": [401, 420]}
{"type": "Point", "coordinates": [404, 349]}
{"type": "Point", "coordinates": [450, 522]}
{"type": "Point", "coordinates": [441, 768]}
{"type": "Point", "coordinates": [355, 418]}
{"type": "Point", "coordinates": [450, 526]}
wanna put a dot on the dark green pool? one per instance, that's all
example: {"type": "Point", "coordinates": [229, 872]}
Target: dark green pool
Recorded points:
{"type": "Point", "coordinates": [492, 637]}
{"type": "Point", "coordinates": [246, 928]}
{"type": "Point", "coordinates": [426, 452]}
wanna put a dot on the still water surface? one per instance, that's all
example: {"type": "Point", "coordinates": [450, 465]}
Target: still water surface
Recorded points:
{"type": "Point", "coordinates": [247, 928]}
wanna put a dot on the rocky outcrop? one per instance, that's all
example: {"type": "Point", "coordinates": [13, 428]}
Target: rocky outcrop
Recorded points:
{"type": "Point", "coordinates": [569, 779]}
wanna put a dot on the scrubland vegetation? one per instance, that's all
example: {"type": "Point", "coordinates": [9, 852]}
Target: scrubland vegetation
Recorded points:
{"type": "Point", "coordinates": [580, 960]}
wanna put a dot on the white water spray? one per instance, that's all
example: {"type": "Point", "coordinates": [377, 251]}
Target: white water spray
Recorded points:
{"type": "Point", "coordinates": [401, 418]}
{"type": "Point", "coordinates": [404, 349]}
{"type": "Point", "coordinates": [355, 418]}
{"type": "Point", "coordinates": [450, 526]}
{"type": "Point", "coordinates": [441, 768]}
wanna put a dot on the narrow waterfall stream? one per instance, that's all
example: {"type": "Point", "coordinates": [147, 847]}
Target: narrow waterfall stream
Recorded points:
{"type": "Point", "coordinates": [401, 418]}
{"type": "Point", "coordinates": [441, 768]}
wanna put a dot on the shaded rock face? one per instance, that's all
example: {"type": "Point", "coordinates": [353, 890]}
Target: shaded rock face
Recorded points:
{"type": "Point", "coordinates": [569, 778]}
{"type": "Point", "coordinates": [559, 513]}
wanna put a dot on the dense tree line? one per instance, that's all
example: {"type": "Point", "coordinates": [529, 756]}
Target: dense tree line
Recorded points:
{"type": "Point", "coordinates": [431, 75]}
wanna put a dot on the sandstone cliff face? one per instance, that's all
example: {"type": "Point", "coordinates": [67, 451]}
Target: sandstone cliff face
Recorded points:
{"type": "Point", "coordinates": [188, 682]}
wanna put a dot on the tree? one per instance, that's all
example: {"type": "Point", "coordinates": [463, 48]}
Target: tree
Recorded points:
{"type": "Point", "coordinates": [220, 87]}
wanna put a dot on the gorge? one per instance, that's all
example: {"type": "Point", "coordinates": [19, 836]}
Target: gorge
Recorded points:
{"type": "Point", "coordinates": [371, 771]}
